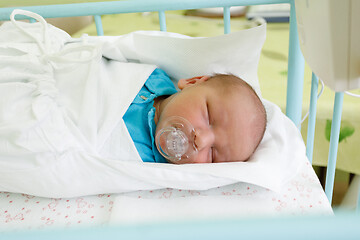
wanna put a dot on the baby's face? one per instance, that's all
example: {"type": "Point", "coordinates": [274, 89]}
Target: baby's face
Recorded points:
{"type": "Point", "coordinates": [221, 121]}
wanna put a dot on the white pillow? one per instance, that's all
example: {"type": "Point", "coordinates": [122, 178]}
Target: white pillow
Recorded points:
{"type": "Point", "coordinates": [182, 56]}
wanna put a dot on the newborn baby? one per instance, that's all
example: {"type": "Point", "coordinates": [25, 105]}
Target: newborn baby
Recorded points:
{"type": "Point", "coordinates": [211, 119]}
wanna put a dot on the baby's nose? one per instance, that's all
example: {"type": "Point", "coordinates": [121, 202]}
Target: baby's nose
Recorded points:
{"type": "Point", "coordinates": [204, 138]}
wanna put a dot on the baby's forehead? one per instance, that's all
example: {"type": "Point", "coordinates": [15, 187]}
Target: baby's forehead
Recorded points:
{"type": "Point", "coordinates": [232, 92]}
{"type": "Point", "coordinates": [240, 97]}
{"type": "Point", "coordinates": [228, 83]}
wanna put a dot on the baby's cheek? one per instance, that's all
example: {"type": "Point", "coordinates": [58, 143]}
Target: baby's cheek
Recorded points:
{"type": "Point", "coordinates": [201, 157]}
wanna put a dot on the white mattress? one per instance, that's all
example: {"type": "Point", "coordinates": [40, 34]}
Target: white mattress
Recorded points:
{"type": "Point", "coordinates": [301, 195]}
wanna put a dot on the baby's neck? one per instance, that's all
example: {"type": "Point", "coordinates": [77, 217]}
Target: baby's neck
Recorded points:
{"type": "Point", "coordinates": [159, 104]}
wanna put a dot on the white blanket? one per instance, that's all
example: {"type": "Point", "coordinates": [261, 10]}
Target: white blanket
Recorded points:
{"type": "Point", "coordinates": [60, 102]}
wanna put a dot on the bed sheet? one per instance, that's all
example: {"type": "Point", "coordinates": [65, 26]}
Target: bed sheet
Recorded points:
{"type": "Point", "coordinates": [301, 195]}
{"type": "Point", "coordinates": [26, 212]}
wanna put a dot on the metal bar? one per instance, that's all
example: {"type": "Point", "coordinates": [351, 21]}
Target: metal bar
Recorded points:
{"type": "Point", "coordinates": [312, 118]}
{"type": "Point", "coordinates": [99, 26]}
{"type": "Point", "coordinates": [341, 226]}
{"type": "Point", "coordinates": [227, 17]}
{"type": "Point", "coordinates": [113, 7]}
{"type": "Point", "coordinates": [162, 21]}
{"type": "Point", "coordinates": [358, 202]}
{"type": "Point", "coordinates": [296, 65]}
{"type": "Point", "coordinates": [334, 142]}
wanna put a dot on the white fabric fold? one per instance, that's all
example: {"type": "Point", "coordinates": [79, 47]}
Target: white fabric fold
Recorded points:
{"type": "Point", "coordinates": [61, 127]}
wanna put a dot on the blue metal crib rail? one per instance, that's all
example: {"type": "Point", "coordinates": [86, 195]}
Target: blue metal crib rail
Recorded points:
{"type": "Point", "coordinates": [295, 60]}
{"type": "Point", "coordinates": [310, 228]}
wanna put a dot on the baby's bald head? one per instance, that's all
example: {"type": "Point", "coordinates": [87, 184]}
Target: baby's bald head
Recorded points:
{"type": "Point", "coordinates": [229, 85]}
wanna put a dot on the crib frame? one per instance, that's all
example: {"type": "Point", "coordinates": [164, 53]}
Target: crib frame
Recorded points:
{"type": "Point", "coordinates": [228, 229]}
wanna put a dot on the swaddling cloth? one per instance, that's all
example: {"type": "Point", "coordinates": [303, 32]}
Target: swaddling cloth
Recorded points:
{"type": "Point", "coordinates": [54, 106]}
{"type": "Point", "coordinates": [59, 108]}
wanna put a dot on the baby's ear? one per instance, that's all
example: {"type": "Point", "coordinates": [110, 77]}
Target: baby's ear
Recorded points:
{"type": "Point", "coordinates": [183, 83]}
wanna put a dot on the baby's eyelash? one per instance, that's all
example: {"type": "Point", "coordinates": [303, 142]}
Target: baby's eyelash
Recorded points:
{"type": "Point", "coordinates": [208, 112]}
{"type": "Point", "coordinates": [212, 154]}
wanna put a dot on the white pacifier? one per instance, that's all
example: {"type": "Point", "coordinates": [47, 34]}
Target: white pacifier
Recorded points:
{"type": "Point", "coordinates": [175, 141]}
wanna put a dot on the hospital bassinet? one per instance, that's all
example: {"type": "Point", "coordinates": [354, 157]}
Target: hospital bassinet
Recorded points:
{"type": "Point", "coordinates": [83, 209]}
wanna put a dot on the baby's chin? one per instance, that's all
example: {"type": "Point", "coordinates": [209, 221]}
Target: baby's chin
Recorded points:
{"type": "Point", "coordinates": [178, 162]}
